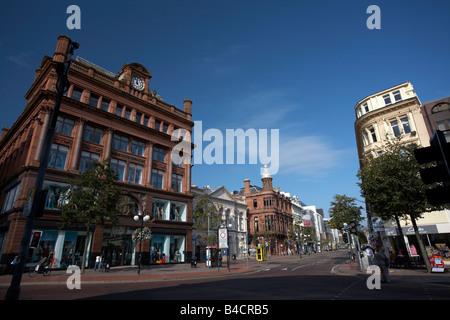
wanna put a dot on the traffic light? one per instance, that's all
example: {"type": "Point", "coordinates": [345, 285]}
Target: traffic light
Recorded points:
{"type": "Point", "coordinates": [353, 227]}
{"type": "Point", "coordinates": [249, 238]}
{"type": "Point", "coordinates": [36, 237]}
{"type": "Point", "coordinates": [345, 237]}
{"type": "Point", "coordinates": [439, 153]}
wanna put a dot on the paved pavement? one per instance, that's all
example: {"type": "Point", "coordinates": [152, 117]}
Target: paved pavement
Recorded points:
{"type": "Point", "coordinates": [169, 272]}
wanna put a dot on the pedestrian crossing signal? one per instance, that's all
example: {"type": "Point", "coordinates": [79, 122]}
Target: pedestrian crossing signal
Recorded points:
{"type": "Point", "coordinates": [36, 238]}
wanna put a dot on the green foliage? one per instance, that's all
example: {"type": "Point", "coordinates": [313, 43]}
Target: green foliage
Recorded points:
{"type": "Point", "coordinates": [206, 218]}
{"type": "Point", "coordinates": [92, 197]}
{"type": "Point", "coordinates": [391, 183]}
{"type": "Point", "coordinates": [344, 210]}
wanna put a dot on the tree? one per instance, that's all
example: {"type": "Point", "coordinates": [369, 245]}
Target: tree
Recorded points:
{"type": "Point", "coordinates": [206, 218]}
{"type": "Point", "coordinates": [392, 187]}
{"type": "Point", "coordinates": [343, 210]}
{"type": "Point", "coordinates": [91, 199]}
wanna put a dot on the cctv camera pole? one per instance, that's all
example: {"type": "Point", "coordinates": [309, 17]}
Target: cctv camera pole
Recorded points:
{"type": "Point", "coordinates": [36, 208]}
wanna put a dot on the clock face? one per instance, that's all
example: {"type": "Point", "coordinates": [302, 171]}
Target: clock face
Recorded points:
{"type": "Point", "coordinates": [137, 83]}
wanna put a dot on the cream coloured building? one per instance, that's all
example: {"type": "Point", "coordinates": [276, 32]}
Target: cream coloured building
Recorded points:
{"type": "Point", "coordinates": [388, 114]}
{"type": "Point", "coordinates": [380, 117]}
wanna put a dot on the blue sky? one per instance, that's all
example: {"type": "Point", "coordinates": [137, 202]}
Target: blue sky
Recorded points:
{"type": "Point", "coordinates": [296, 66]}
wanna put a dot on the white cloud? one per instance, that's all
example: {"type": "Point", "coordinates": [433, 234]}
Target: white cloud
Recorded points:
{"type": "Point", "coordinates": [309, 157]}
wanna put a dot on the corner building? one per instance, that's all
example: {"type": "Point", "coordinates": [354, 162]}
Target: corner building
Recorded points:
{"type": "Point", "coordinates": [269, 213]}
{"type": "Point", "coordinates": [102, 115]}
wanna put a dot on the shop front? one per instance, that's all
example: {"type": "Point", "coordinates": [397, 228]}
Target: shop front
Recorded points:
{"type": "Point", "coordinates": [65, 246]}
{"type": "Point", "coordinates": [435, 238]}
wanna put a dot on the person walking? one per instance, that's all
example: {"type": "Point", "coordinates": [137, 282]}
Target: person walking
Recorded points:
{"type": "Point", "coordinates": [370, 255]}
{"type": "Point", "coordinates": [382, 261]}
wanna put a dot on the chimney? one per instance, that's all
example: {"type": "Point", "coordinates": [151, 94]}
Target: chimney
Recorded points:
{"type": "Point", "coordinates": [188, 107]}
{"type": "Point", "coordinates": [61, 48]}
{"type": "Point", "coordinates": [246, 186]}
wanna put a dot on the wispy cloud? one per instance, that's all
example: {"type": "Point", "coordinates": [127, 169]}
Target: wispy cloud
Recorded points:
{"type": "Point", "coordinates": [21, 60]}
{"type": "Point", "coordinates": [309, 157]}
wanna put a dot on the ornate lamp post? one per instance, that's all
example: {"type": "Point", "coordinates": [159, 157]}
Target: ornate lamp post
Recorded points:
{"type": "Point", "coordinates": [140, 235]}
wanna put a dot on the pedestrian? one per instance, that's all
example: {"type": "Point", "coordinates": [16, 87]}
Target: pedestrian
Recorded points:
{"type": "Point", "coordinates": [382, 261]}
{"type": "Point", "coordinates": [98, 263]}
{"type": "Point", "coordinates": [370, 255]}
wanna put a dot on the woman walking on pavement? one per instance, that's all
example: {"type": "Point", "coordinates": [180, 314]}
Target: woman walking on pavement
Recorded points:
{"type": "Point", "coordinates": [382, 261]}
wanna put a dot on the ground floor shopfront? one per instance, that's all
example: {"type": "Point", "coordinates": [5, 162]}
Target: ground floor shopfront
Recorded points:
{"type": "Point", "coordinates": [435, 238]}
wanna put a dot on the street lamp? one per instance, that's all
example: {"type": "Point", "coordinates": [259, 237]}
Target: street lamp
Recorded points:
{"type": "Point", "coordinates": [144, 219]}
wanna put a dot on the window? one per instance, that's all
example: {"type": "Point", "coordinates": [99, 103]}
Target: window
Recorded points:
{"type": "Point", "coordinates": [387, 99]}
{"type": "Point", "coordinates": [157, 178]}
{"type": "Point", "coordinates": [395, 128]}
{"type": "Point", "coordinates": [64, 126]}
{"type": "Point", "coordinates": [105, 104]}
{"type": "Point", "coordinates": [119, 168]}
{"type": "Point", "coordinates": [158, 209]}
{"type": "Point", "coordinates": [127, 113]}
{"type": "Point", "coordinates": [177, 182]}
{"type": "Point", "coordinates": [165, 128]}
{"type": "Point", "coordinates": [10, 198]}
{"type": "Point", "coordinates": [138, 117]}
{"type": "Point", "coordinates": [93, 100]}
{"type": "Point", "coordinates": [135, 173]}
{"type": "Point", "coordinates": [373, 134]}
{"type": "Point", "coordinates": [146, 120]}
{"type": "Point", "coordinates": [157, 124]}
{"type": "Point", "coordinates": [255, 203]}
{"type": "Point", "coordinates": [397, 95]}
{"type": "Point", "coordinates": [94, 135]}
{"type": "Point", "coordinates": [137, 148]}
{"type": "Point", "coordinates": [119, 110]}
{"type": "Point", "coordinates": [366, 107]}
{"type": "Point", "coordinates": [406, 126]}
{"type": "Point", "coordinates": [256, 224]}
{"type": "Point", "coordinates": [267, 202]}
{"type": "Point", "coordinates": [120, 143]}
{"type": "Point", "coordinates": [159, 154]}
{"type": "Point", "coordinates": [58, 155]}
{"type": "Point", "coordinates": [444, 126]}
{"type": "Point", "coordinates": [87, 160]}
{"type": "Point", "coordinates": [76, 93]}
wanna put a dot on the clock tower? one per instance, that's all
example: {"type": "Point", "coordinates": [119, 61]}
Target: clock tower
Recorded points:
{"type": "Point", "coordinates": [136, 77]}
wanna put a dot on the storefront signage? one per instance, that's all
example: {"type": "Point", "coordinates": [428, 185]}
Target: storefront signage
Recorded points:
{"type": "Point", "coordinates": [408, 231]}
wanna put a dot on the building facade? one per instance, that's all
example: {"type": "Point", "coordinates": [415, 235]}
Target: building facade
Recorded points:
{"type": "Point", "coordinates": [102, 115]}
{"type": "Point", "coordinates": [232, 212]}
{"type": "Point", "coordinates": [380, 118]}
{"type": "Point", "coordinates": [269, 213]}
{"type": "Point", "coordinates": [437, 116]}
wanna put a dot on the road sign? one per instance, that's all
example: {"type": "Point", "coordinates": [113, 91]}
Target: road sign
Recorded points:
{"type": "Point", "coordinates": [29, 202]}
{"type": "Point", "coordinates": [223, 238]}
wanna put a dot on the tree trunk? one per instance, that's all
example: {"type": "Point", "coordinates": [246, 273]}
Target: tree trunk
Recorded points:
{"type": "Point", "coordinates": [400, 231]}
{"type": "Point", "coordinates": [83, 261]}
{"type": "Point", "coordinates": [423, 252]}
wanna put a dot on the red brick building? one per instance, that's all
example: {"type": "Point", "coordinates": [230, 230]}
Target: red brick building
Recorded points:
{"type": "Point", "coordinates": [103, 115]}
{"type": "Point", "coordinates": [269, 213]}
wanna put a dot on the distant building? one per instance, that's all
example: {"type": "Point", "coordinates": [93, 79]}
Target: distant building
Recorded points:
{"type": "Point", "coordinates": [233, 213]}
{"type": "Point", "coordinates": [269, 213]}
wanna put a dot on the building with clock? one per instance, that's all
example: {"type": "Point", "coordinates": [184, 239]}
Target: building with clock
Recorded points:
{"type": "Point", "coordinates": [102, 115]}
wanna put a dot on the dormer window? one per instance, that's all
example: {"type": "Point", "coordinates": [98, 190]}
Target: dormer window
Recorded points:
{"type": "Point", "coordinates": [397, 95]}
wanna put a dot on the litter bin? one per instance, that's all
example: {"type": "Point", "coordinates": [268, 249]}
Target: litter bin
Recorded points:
{"type": "Point", "coordinates": [234, 257]}
{"type": "Point", "coordinates": [193, 264]}
{"type": "Point", "coordinates": [107, 266]}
